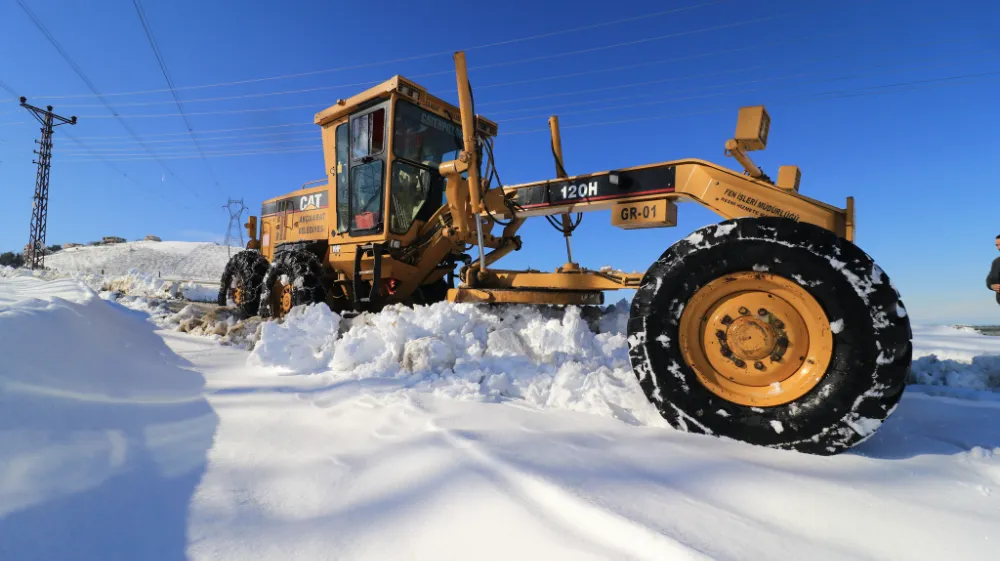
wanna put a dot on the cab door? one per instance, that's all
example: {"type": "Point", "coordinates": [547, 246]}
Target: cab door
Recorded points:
{"type": "Point", "coordinates": [368, 140]}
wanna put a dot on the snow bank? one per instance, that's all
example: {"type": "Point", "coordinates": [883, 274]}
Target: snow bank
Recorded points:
{"type": "Point", "coordinates": [175, 260]}
{"type": "Point", "coordinates": [303, 342]}
{"type": "Point", "coordinates": [982, 373]}
{"type": "Point", "coordinates": [97, 418]}
{"type": "Point", "coordinates": [89, 346]}
{"type": "Point", "coordinates": [955, 357]}
{"type": "Point", "coordinates": [135, 283]}
{"type": "Point", "coordinates": [547, 358]}
{"type": "Point", "coordinates": [195, 292]}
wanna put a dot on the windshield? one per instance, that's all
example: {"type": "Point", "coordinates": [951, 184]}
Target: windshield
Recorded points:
{"type": "Point", "coordinates": [424, 138]}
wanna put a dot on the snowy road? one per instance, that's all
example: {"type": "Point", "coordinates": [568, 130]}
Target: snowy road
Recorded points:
{"type": "Point", "coordinates": [316, 468]}
{"type": "Point", "coordinates": [144, 444]}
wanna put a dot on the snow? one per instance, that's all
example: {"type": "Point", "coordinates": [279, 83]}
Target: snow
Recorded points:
{"type": "Point", "coordinates": [196, 292]}
{"type": "Point", "coordinates": [168, 259]}
{"type": "Point", "coordinates": [103, 430]}
{"type": "Point", "coordinates": [303, 342]}
{"type": "Point", "coordinates": [161, 270]}
{"type": "Point", "coordinates": [467, 352]}
{"type": "Point", "coordinates": [440, 432]}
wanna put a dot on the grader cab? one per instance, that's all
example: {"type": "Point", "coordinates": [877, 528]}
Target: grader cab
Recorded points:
{"type": "Point", "coordinates": [771, 327]}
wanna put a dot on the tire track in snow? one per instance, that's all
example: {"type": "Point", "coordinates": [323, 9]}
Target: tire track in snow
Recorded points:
{"type": "Point", "coordinates": [609, 530]}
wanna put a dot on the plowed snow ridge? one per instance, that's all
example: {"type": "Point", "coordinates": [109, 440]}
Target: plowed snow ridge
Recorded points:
{"type": "Point", "coordinates": [171, 260]}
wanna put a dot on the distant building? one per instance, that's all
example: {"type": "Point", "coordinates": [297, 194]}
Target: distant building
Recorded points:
{"type": "Point", "coordinates": [71, 244]}
{"type": "Point", "coordinates": [152, 238]}
{"type": "Point", "coordinates": [112, 239]}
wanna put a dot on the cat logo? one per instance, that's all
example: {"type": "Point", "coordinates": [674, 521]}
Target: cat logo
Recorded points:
{"type": "Point", "coordinates": [313, 202]}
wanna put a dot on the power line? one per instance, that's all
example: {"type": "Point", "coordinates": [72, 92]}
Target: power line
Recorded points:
{"type": "Point", "coordinates": [575, 92]}
{"type": "Point", "coordinates": [860, 91]}
{"type": "Point", "coordinates": [506, 63]}
{"type": "Point", "coordinates": [170, 84]}
{"type": "Point", "coordinates": [514, 83]}
{"type": "Point", "coordinates": [314, 149]}
{"type": "Point", "coordinates": [286, 134]}
{"type": "Point", "coordinates": [222, 112]}
{"type": "Point", "coordinates": [82, 145]}
{"type": "Point", "coordinates": [90, 85]}
{"type": "Point", "coordinates": [183, 151]}
{"type": "Point", "coordinates": [227, 142]}
{"type": "Point", "coordinates": [416, 57]}
{"type": "Point", "coordinates": [894, 69]}
{"type": "Point", "coordinates": [9, 90]}
{"type": "Point", "coordinates": [257, 95]}
{"type": "Point", "coordinates": [673, 79]}
{"type": "Point", "coordinates": [110, 164]}
{"type": "Point", "coordinates": [823, 96]}
{"type": "Point", "coordinates": [310, 123]}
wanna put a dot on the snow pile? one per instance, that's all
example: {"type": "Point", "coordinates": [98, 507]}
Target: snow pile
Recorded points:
{"type": "Point", "coordinates": [92, 404]}
{"type": "Point", "coordinates": [303, 342]}
{"type": "Point", "coordinates": [958, 357]}
{"type": "Point", "coordinates": [982, 373]}
{"type": "Point", "coordinates": [196, 292]}
{"type": "Point", "coordinates": [548, 358]}
{"type": "Point", "coordinates": [174, 260]}
{"type": "Point", "coordinates": [134, 283]}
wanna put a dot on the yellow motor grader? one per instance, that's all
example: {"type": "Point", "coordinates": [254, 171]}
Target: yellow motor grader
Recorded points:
{"type": "Point", "coordinates": [771, 327]}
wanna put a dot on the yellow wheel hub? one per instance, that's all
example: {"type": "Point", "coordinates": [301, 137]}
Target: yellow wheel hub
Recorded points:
{"type": "Point", "coordinates": [238, 293]}
{"type": "Point", "coordinates": [756, 339]}
{"type": "Point", "coordinates": [281, 298]}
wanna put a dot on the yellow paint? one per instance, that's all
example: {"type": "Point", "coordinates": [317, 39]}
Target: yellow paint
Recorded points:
{"type": "Point", "coordinates": [756, 339]}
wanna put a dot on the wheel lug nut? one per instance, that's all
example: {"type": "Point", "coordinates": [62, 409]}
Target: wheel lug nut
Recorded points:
{"type": "Point", "coordinates": [721, 335]}
{"type": "Point", "coordinates": [779, 324]}
{"type": "Point", "coordinates": [725, 351]}
{"type": "Point", "coordinates": [739, 363]}
{"type": "Point", "coordinates": [758, 365]}
{"type": "Point", "coordinates": [744, 311]}
{"type": "Point", "coordinates": [726, 320]}
{"type": "Point", "coordinates": [762, 312]}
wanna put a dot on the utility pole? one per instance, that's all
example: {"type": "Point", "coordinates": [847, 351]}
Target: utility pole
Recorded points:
{"type": "Point", "coordinates": [34, 252]}
{"type": "Point", "coordinates": [235, 221]}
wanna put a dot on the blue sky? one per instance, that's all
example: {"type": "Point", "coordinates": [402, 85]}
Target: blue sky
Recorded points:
{"type": "Point", "coordinates": [896, 107]}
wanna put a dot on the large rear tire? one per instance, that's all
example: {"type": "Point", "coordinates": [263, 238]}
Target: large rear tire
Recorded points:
{"type": "Point", "coordinates": [294, 279]}
{"type": "Point", "coordinates": [772, 332]}
{"type": "Point", "coordinates": [241, 281]}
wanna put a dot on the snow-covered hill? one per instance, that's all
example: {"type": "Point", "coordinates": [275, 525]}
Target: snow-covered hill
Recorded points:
{"type": "Point", "coordinates": [173, 260]}
{"type": "Point", "coordinates": [442, 433]}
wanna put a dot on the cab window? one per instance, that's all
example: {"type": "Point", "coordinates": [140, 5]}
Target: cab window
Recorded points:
{"type": "Point", "coordinates": [368, 134]}
{"type": "Point", "coordinates": [366, 196]}
{"type": "Point", "coordinates": [421, 142]}
{"type": "Point", "coordinates": [367, 173]}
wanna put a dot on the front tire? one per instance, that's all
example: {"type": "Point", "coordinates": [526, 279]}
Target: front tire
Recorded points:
{"type": "Point", "coordinates": [772, 332]}
{"type": "Point", "coordinates": [241, 281]}
{"type": "Point", "coordinates": [292, 280]}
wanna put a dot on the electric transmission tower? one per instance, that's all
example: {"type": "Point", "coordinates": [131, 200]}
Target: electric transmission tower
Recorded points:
{"type": "Point", "coordinates": [34, 252]}
{"type": "Point", "coordinates": [236, 209]}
